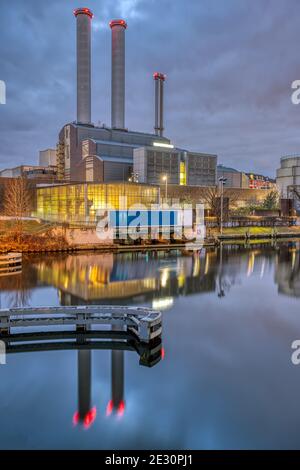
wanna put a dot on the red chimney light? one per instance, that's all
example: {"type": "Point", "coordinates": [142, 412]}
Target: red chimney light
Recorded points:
{"type": "Point", "coordinates": [109, 408]}
{"type": "Point", "coordinates": [88, 419]}
{"type": "Point", "coordinates": [159, 76]}
{"type": "Point", "coordinates": [83, 11]}
{"type": "Point", "coordinates": [76, 418]}
{"type": "Point", "coordinates": [121, 409]}
{"type": "Point", "coordinates": [118, 23]}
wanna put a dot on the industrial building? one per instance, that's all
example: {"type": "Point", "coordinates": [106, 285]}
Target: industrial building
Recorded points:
{"type": "Point", "coordinates": [178, 166]}
{"type": "Point", "coordinates": [288, 179]}
{"type": "Point", "coordinates": [234, 178]}
{"type": "Point", "coordinates": [86, 152]}
{"type": "Point", "coordinates": [47, 157]}
{"type": "Point", "coordinates": [80, 202]}
{"type": "Point", "coordinates": [31, 171]}
{"type": "Point", "coordinates": [257, 181]}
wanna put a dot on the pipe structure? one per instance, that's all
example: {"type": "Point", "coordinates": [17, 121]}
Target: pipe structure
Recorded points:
{"type": "Point", "coordinates": [118, 28]}
{"type": "Point", "coordinates": [84, 26]}
{"type": "Point", "coordinates": [159, 79]}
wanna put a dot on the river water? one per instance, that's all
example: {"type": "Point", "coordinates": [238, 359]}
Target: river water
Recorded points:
{"type": "Point", "coordinates": [225, 379]}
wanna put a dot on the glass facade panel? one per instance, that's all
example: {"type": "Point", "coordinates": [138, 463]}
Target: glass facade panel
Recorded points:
{"type": "Point", "coordinates": [79, 203]}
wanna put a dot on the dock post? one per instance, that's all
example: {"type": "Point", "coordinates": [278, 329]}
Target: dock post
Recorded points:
{"type": "Point", "coordinates": [80, 325]}
{"type": "Point", "coordinates": [4, 330]}
{"type": "Point", "coordinates": [144, 330]}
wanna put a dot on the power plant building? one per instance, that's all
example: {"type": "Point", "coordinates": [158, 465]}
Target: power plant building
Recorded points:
{"type": "Point", "coordinates": [180, 167]}
{"type": "Point", "coordinates": [81, 202]}
{"type": "Point", "coordinates": [234, 178]}
{"type": "Point", "coordinates": [86, 152]}
{"type": "Point", "coordinates": [47, 157]}
{"type": "Point", "coordinates": [288, 179]}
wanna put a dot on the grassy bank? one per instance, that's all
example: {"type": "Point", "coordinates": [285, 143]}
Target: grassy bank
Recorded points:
{"type": "Point", "coordinates": [259, 232]}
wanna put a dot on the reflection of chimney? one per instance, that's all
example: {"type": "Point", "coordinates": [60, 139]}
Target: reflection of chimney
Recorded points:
{"type": "Point", "coordinates": [159, 79]}
{"type": "Point", "coordinates": [117, 403]}
{"type": "Point", "coordinates": [84, 383]}
{"type": "Point", "coordinates": [85, 414]}
{"type": "Point", "coordinates": [118, 74]}
{"type": "Point", "coordinates": [84, 17]}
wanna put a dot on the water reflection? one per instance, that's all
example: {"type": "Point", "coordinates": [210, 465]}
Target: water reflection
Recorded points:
{"type": "Point", "coordinates": [227, 381]}
{"type": "Point", "coordinates": [87, 414]}
{"type": "Point", "coordinates": [287, 272]}
{"type": "Point", "coordinates": [115, 340]}
{"type": "Point", "coordinates": [154, 278]}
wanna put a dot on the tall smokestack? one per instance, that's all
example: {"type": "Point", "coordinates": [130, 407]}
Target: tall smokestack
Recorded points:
{"type": "Point", "coordinates": [84, 25]}
{"type": "Point", "coordinates": [159, 79]}
{"type": "Point", "coordinates": [118, 74]}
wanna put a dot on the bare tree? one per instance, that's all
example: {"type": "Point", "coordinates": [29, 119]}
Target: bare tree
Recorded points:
{"type": "Point", "coordinates": [211, 197]}
{"type": "Point", "coordinates": [17, 201]}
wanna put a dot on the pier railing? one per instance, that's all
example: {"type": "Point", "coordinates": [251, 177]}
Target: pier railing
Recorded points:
{"type": "Point", "coordinates": [143, 322]}
{"type": "Point", "coordinates": [10, 263]}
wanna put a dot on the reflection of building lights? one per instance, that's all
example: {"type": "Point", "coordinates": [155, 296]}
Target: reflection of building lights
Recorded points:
{"type": "Point", "coordinates": [196, 267]}
{"type": "Point", "coordinates": [181, 280]}
{"type": "Point", "coordinates": [164, 277]}
{"type": "Point", "coordinates": [206, 269]}
{"type": "Point", "coordinates": [293, 259]}
{"type": "Point", "coordinates": [251, 264]}
{"type": "Point", "coordinates": [162, 304]}
{"type": "Point", "coordinates": [262, 272]}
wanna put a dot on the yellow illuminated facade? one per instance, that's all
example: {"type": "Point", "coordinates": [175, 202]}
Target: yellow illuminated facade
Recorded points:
{"type": "Point", "coordinates": [182, 174]}
{"type": "Point", "coordinates": [79, 202]}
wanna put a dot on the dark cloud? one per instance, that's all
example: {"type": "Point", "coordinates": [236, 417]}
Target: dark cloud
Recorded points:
{"type": "Point", "coordinates": [230, 65]}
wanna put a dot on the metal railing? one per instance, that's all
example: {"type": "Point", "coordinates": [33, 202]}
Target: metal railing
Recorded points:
{"type": "Point", "coordinates": [145, 323]}
{"type": "Point", "coordinates": [10, 263]}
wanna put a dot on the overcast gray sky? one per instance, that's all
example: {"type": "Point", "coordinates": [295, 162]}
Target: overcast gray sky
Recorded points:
{"type": "Point", "coordinates": [229, 66]}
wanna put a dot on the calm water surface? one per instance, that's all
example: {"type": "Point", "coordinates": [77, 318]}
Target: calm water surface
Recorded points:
{"type": "Point", "coordinates": [225, 379]}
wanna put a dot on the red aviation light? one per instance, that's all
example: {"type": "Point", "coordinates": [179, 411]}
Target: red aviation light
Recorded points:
{"type": "Point", "coordinates": [83, 11]}
{"type": "Point", "coordinates": [163, 352]}
{"type": "Point", "coordinates": [121, 409]}
{"type": "Point", "coordinates": [76, 418]}
{"type": "Point", "coordinates": [159, 76]}
{"type": "Point", "coordinates": [109, 408]}
{"type": "Point", "coordinates": [118, 23]}
{"type": "Point", "coordinates": [88, 419]}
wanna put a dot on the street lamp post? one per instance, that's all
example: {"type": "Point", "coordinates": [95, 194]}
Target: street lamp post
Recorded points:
{"type": "Point", "coordinates": [222, 181]}
{"type": "Point", "coordinates": [165, 178]}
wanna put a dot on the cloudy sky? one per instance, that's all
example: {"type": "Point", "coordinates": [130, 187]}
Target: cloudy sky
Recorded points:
{"type": "Point", "coordinates": [229, 63]}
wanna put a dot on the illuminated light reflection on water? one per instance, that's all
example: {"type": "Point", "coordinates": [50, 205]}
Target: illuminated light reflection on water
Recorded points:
{"type": "Point", "coordinates": [225, 378]}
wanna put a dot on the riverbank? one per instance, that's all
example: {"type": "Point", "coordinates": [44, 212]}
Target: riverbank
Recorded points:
{"type": "Point", "coordinates": [258, 233]}
{"type": "Point", "coordinates": [41, 238]}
